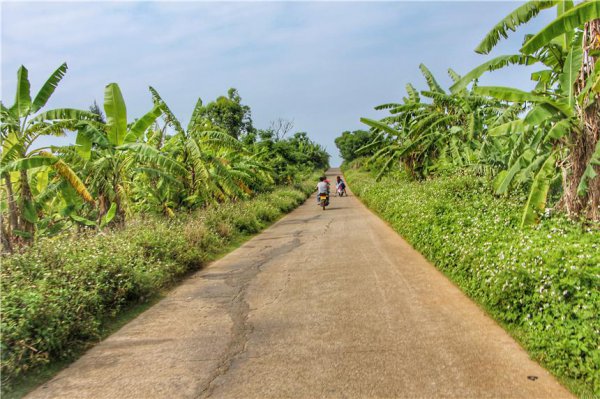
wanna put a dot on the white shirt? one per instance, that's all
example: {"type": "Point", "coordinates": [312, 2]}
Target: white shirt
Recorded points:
{"type": "Point", "coordinates": [322, 187]}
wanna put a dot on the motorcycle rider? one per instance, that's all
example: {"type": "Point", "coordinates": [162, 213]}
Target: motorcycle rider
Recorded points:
{"type": "Point", "coordinates": [322, 188]}
{"type": "Point", "coordinates": [341, 186]}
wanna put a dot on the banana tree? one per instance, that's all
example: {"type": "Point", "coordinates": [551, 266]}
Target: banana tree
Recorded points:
{"type": "Point", "coordinates": [114, 151]}
{"type": "Point", "coordinates": [217, 165]}
{"type": "Point", "coordinates": [564, 110]}
{"type": "Point", "coordinates": [22, 124]}
{"type": "Point", "coordinates": [447, 131]}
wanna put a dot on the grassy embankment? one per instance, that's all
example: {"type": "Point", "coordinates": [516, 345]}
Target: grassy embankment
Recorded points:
{"type": "Point", "coordinates": [542, 283]}
{"type": "Point", "coordinates": [64, 294]}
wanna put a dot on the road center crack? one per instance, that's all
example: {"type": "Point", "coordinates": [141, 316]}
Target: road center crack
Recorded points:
{"type": "Point", "coordinates": [239, 310]}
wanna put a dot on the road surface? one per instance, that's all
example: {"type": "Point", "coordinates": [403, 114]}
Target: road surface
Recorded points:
{"type": "Point", "coordinates": [322, 304]}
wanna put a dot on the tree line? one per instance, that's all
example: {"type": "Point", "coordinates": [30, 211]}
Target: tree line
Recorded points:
{"type": "Point", "coordinates": [544, 141]}
{"type": "Point", "coordinates": [119, 167]}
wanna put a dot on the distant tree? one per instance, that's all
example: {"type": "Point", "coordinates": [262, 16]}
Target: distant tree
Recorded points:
{"type": "Point", "coordinates": [229, 114]}
{"type": "Point", "coordinates": [266, 135]}
{"type": "Point", "coordinates": [349, 143]}
{"type": "Point", "coordinates": [281, 127]}
{"type": "Point", "coordinates": [249, 138]}
{"type": "Point", "coordinates": [96, 110]}
{"type": "Point", "coordinates": [291, 156]}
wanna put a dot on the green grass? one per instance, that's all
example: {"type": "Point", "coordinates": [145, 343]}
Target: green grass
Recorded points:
{"type": "Point", "coordinates": [63, 295]}
{"type": "Point", "coordinates": [540, 283]}
{"type": "Point", "coordinates": [23, 384]}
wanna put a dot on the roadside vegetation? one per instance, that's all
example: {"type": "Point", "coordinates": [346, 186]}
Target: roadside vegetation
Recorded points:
{"type": "Point", "coordinates": [58, 295]}
{"type": "Point", "coordinates": [540, 283]}
{"type": "Point", "coordinates": [499, 187]}
{"type": "Point", "coordinates": [90, 229]}
{"type": "Point", "coordinates": [544, 141]}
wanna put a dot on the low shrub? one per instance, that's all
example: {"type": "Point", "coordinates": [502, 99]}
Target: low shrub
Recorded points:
{"type": "Point", "coordinates": [224, 229]}
{"type": "Point", "coordinates": [542, 283]}
{"type": "Point", "coordinates": [57, 295]}
{"type": "Point", "coordinates": [265, 210]}
{"type": "Point", "coordinates": [245, 220]}
{"type": "Point", "coordinates": [287, 199]}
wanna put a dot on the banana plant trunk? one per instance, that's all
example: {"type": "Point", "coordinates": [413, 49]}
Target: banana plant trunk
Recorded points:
{"type": "Point", "coordinates": [26, 198]}
{"type": "Point", "coordinates": [5, 236]}
{"type": "Point", "coordinates": [584, 141]}
{"type": "Point", "coordinates": [102, 206]}
{"type": "Point", "coordinates": [13, 213]}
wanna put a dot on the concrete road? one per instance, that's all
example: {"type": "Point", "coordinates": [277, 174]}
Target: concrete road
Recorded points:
{"type": "Point", "coordinates": [323, 304]}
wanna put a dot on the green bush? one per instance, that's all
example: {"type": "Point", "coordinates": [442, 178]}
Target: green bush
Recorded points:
{"type": "Point", "coordinates": [287, 199]}
{"type": "Point", "coordinates": [57, 295]}
{"type": "Point", "coordinates": [541, 282]}
{"type": "Point", "coordinates": [265, 210]}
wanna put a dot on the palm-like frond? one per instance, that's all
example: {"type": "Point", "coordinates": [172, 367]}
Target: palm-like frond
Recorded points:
{"type": "Point", "coordinates": [69, 175]}
{"type": "Point", "coordinates": [30, 162]}
{"type": "Point", "coordinates": [505, 179]}
{"type": "Point", "coordinates": [569, 75]}
{"type": "Point", "coordinates": [491, 65]}
{"type": "Point", "coordinates": [150, 154]}
{"type": "Point", "coordinates": [169, 117]}
{"type": "Point", "coordinates": [567, 22]}
{"type": "Point", "coordinates": [453, 75]}
{"type": "Point", "coordinates": [141, 125]}
{"type": "Point", "coordinates": [116, 114]}
{"type": "Point", "coordinates": [386, 106]}
{"type": "Point", "coordinates": [538, 193]}
{"type": "Point", "coordinates": [218, 139]}
{"type": "Point", "coordinates": [513, 20]}
{"type": "Point", "coordinates": [379, 126]}
{"type": "Point", "coordinates": [516, 95]}
{"type": "Point", "coordinates": [433, 84]}
{"type": "Point", "coordinates": [48, 88]}
{"type": "Point", "coordinates": [195, 116]}
{"type": "Point", "coordinates": [22, 103]}
{"type": "Point", "coordinates": [413, 94]}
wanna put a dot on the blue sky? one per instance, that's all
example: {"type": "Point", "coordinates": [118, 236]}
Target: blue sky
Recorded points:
{"type": "Point", "coordinates": [321, 64]}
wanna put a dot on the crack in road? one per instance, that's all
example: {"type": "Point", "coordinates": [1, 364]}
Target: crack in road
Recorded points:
{"type": "Point", "coordinates": [239, 310]}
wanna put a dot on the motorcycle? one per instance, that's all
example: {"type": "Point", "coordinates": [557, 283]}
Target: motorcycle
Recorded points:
{"type": "Point", "coordinates": [341, 191]}
{"type": "Point", "coordinates": [323, 200]}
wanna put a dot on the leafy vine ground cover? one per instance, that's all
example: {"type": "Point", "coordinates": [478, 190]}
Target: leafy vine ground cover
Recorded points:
{"type": "Point", "coordinates": [541, 283]}
{"type": "Point", "coordinates": [57, 295]}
